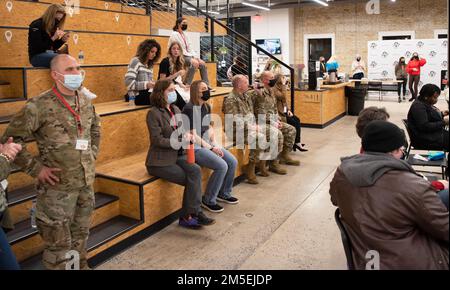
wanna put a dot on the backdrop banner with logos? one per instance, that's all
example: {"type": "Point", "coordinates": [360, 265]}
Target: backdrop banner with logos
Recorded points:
{"type": "Point", "coordinates": [383, 56]}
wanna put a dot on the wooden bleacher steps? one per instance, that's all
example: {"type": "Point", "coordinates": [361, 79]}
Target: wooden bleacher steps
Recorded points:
{"type": "Point", "coordinates": [128, 201]}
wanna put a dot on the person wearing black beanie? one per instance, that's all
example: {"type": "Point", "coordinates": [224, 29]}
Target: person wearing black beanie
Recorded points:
{"type": "Point", "coordinates": [383, 137]}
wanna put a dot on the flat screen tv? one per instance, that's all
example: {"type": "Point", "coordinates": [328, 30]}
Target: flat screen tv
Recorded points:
{"type": "Point", "coordinates": [270, 45]}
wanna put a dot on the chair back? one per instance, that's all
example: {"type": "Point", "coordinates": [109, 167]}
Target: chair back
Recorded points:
{"type": "Point", "coordinates": [345, 240]}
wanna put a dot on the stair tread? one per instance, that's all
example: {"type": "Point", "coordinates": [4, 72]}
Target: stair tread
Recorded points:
{"type": "Point", "coordinates": [21, 194]}
{"type": "Point", "coordinates": [98, 235]}
{"type": "Point", "coordinates": [10, 100]}
{"type": "Point", "coordinates": [23, 229]}
{"type": "Point", "coordinates": [4, 83]}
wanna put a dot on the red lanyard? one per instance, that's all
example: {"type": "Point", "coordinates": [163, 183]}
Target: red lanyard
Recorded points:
{"type": "Point", "coordinates": [72, 111]}
{"type": "Point", "coordinates": [172, 117]}
{"type": "Point", "coordinates": [185, 42]}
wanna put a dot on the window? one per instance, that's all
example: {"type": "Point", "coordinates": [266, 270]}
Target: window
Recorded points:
{"type": "Point", "coordinates": [317, 45]}
{"type": "Point", "coordinates": [396, 35]}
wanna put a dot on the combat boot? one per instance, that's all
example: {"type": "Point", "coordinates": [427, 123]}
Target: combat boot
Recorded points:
{"type": "Point", "coordinates": [263, 168]}
{"type": "Point", "coordinates": [275, 167]}
{"type": "Point", "coordinates": [249, 171]}
{"type": "Point", "coordinates": [286, 159]}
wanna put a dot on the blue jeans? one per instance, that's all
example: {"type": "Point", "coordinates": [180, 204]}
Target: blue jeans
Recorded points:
{"type": "Point", "coordinates": [7, 259]}
{"type": "Point", "coordinates": [443, 195]}
{"type": "Point", "coordinates": [43, 59]}
{"type": "Point", "coordinates": [221, 180]}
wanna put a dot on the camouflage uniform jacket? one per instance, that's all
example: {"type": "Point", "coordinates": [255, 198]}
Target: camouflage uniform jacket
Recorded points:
{"type": "Point", "coordinates": [266, 104]}
{"type": "Point", "coordinates": [55, 130]}
{"type": "Point", "coordinates": [241, 108]}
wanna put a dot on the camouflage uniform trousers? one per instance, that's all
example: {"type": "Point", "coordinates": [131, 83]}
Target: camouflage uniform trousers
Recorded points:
{"type": "Point", "coordinates": [273, 135]}
{"type": "Point", "coordinates": [63, 218]}
{"type": "Point", "coordinates": [289, 133]}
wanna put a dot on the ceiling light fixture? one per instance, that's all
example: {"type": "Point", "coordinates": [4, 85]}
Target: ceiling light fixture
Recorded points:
{"type": "Point", "coordinates": [255, 6]}
{"type": "Point", "coordinates": [321, 2]}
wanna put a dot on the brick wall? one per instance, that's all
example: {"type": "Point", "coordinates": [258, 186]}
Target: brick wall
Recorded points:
{"type": "Point", "coordinates": [353, 27]}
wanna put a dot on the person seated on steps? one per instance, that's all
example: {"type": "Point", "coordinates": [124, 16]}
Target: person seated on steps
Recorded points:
{"type": "Point", "coordinates": [173, 68]}
{"type": "Point", "coordinates": [166, 161]}
{"type": "Point", "coordinates": [264, 142]}
{"type": "Point", "coordinates": [286, 115]}
{"type": "Point", "coordinates": [8, 152]}
{"type": "Point", "coordinates": [46, 36]}
{"type": "Point", "coordinates": [191, 58]}
{"type": "Point", "coordinates": [47, 39]}
{"type": "Point", "coordinates": [208, 153]}
{"type": "Point", "coordinates": [266, 108]}
{"type": "Point", "coordinates": [67, 132]}
{"type": "Point", "coordinates": [139, 76]}
{"type": "Point", "coordinates": [405, 222]}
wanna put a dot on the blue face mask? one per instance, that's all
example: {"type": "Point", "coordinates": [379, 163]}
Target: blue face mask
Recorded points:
{"type": "Point", "coordinates": [72, 82]}
{"type": "Point", "coordinates": [172, 97]}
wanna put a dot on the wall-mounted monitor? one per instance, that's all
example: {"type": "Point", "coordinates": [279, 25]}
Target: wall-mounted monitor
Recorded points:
{"type": "Point", "coordinates": [272, 46]}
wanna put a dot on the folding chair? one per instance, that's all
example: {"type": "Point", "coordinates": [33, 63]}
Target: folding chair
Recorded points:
{"type": "Point", "coordinates": [345, 240]}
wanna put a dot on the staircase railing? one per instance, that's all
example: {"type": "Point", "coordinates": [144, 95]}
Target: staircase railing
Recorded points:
{"type": "Point", "coordinates": [219, 42]}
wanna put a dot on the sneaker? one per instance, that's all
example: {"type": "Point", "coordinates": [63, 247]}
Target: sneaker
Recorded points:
{"type": "Point", "coordinates": [404, 98]}
{"type": "Point", "coordinates": [88, 94]}
{"type": "Point", "coordinates": [212, 207]}
{"type": "Point", "coordinates": [189, 222]}
{"type": "Point", "coordinates": [203, 220]}
{"type": "Point", "coordinates": [229, 200]}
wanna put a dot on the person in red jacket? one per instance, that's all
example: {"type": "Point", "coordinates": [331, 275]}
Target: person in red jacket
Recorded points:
{"type": "Point", "coordinates": [413, 70]}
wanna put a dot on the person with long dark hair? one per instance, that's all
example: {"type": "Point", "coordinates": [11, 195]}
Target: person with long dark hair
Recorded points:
{"type": "Point", "coordinates": [170, 163]}
{"type": "Point", "coordinates": [426, 122]}
{"type": "Point", "coordinates": [139, 77]}
{"type": "Point", "coordinates": [401, 75]}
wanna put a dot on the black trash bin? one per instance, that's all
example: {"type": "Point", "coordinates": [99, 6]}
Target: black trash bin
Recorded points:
{"type": "Point", "coordinates": [356, 98]}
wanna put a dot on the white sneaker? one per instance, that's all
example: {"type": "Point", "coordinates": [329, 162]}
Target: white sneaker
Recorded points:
{"type": "Point", "coordinates": [88, 94]}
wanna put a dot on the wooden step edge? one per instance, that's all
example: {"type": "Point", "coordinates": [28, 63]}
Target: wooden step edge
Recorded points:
{"type": "Point", "coordinates": [21, 195]}
{"type": "Point", "coordinates": [99, 235]}
{"type": "Point", "coordinates": [23, 229]}
{"type": "Point", "coordinates": [4, 83]}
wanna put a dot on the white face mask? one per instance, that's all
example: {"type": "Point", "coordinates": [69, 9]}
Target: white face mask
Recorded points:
{"type": "Point", "coordinates": [72, 81]}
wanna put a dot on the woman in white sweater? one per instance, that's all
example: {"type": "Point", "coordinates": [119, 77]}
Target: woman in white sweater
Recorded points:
{"type": "Point", "coordinates": [193, 62]}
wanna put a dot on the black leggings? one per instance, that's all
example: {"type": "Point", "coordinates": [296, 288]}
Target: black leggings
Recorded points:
{"type": "Point", "coordinates": [414, 85]}
{"type": "Point", "coordinates": [295, 121]}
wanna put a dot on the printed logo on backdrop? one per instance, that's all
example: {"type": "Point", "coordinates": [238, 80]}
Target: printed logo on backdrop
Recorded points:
{"type": "Point", "coordinates": [420, 83]}
{"type": "Point", "coordinates": [396, 63]}
{"type": "Point", "coordinates": [432, 74]}
{"type": "Point", "coordinates": [385, 73]}
{"type": "Point", "coordinates": [373, 64]}
{"type": "Point", "coordinates": [444, 64]}
{"type": "Point", "coordinates": [396, 44]}
{"type": "Point", "coordinates": [373, 45]}
{"type": "Point", "coordinates": [385, 54]}
{"type": "Point", "coordinates": [432, 53]}
{"type": "Point", "coordinates": [420, 44]}
{"type": "Point", "coordinates": [445, 43]}
{"type": "Point", "coordinates": [408, 54]}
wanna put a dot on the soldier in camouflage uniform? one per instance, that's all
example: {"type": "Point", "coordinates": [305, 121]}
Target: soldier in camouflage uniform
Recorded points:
{"type": "Point", "coordinates": [67, 131]}
{"type": "Point", "coordinates": [266, 106]}
{"type": "Point", "coordinates": [238, 110]}
{"type": "Point", "coordinates": [8, 152]}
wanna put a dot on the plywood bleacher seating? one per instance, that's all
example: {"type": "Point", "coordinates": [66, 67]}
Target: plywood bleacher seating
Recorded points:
{"type": "Point", "coordinates": [129, 204]}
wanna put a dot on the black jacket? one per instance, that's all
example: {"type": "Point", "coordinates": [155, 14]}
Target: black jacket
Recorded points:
{"type": "Point", "coordinates": [38, 39]}
{"type": "Point", "coordinates": [426, 125]}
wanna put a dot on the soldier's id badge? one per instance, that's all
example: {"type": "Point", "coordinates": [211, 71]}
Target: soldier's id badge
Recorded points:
{"type": "Point", "coordinates": [82, 144]}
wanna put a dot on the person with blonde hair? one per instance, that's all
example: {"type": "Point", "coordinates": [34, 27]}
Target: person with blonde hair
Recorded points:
{"type": "Point", "coordinates": [46, 36]}
{"type": "Point", "coordinates": [173, 68]}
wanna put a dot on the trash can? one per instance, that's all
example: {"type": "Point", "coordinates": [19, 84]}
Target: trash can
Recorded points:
{"type": "Point", "coordinates": [356, 98]}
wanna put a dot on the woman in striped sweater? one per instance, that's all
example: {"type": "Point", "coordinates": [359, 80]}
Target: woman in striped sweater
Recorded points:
{"type": "Point", "coordinates": [139, 77]}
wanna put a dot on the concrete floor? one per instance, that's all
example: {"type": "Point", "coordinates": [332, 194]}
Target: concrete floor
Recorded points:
{"type": "Point", "coordinates": [285, 222]}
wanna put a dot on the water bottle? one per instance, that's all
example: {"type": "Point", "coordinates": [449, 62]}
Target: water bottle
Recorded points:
{"type": "Point", "coordinates": [132, 101]}
{"type": "Point", "coordinates": [81, 57]}
{"type": "Point", "coordinates": [191, 153]}
{"type": "Point", "coordinates": [33, 214]}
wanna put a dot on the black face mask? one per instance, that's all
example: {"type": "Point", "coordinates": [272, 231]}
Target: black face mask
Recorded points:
{"type": "Point", "coordinates": [184, 27]}
{"type": "Point", "coordinates": [402, 61]}
{"type": "Point", "coordinates": [206, 95]}
{"type": "Point", "coordinates": [358, 59]}
{"type": "Point", "coordinates": [272, 83]}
